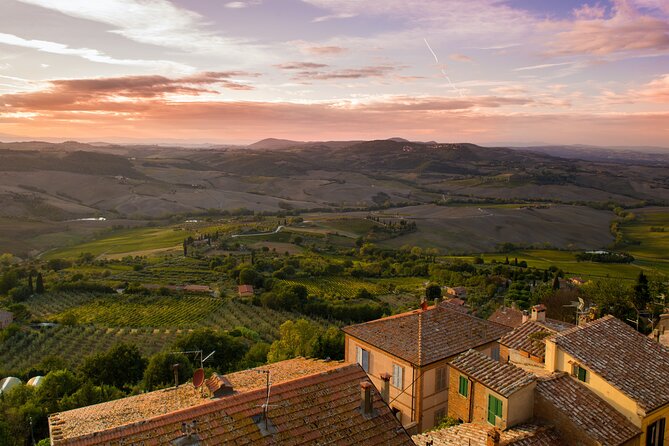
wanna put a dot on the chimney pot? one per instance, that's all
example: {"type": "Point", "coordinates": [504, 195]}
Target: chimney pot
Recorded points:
{"type": "Point", "coordinates": [539, 313]}
{"type": "Point", "coordinates": [385, 387]}
{"type": "Point", "coordinates": [526, 316]}
{"type": "Point", "coordinates": [366, 397]}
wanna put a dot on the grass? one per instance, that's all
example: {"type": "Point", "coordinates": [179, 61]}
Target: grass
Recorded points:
{"type": "Point", "coordinates": [125, 241]}
{"type": "Point", "coordinates": [652, 244]}
{"type": "Point", "coordinates": [567, 262]}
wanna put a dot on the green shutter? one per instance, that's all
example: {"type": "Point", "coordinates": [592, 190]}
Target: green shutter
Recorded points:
{"type": "Point", "coordinates": [494, 409]}
{"type": "Point", "coordinates": [581, 374]}
{"type": "Point", "coordinates": [464, 386]}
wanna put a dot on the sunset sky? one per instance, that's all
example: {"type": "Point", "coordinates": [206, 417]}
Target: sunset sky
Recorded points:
{"type": "Point", "coordinates": [483, 71]}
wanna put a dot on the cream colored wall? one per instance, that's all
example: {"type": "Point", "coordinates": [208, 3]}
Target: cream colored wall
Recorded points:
{"type": "Point", "coordinates": [380, 362]}
{"type": "Point", "coordinates": [521, 406]}
{"type": "Point", "coordinates": [653, 417]}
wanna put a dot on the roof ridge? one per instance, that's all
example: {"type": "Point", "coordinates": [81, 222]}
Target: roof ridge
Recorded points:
{"type": "Point", "coordinates": [420, 337]}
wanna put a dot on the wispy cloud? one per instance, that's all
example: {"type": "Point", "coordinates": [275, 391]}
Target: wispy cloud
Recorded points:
{"type": "Point", "coordinates": [300, 66]}
{"type": "Point", "coordinates": [343, 15]}
{"type": "Point", "coordinates": [154, 22]}
{"type": "Point", "coordinates": [542, 66]}
{"type": "Point", "coordinates": [460, 58]}
{"type": "Point", "coordinates": [244, 4]}
{"type": "Point", "coordinates": [351, 73]}
{"type": "Point", "coordinates": [89, 54]}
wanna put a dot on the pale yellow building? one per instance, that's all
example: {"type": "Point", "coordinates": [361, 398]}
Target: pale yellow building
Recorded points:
{"type": "Point", "coordinates": [626, 369]}
{"type": "Point", "coordinates": [407, 356]}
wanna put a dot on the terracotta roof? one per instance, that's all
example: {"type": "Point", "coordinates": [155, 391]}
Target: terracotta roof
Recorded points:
{"type": "Point", "coordinates": [513, 318]}
{"type": "Point", "coordinates": [626, 359]}
{"type": "Point", "coordinates": [527, 337]}
{"type": "Point", "coordinates": [425, 336]}
{"type": "Point", "coordinates": [315, 409]}
{"type": "Point", "coordinates": [103, 416]}
{"type": "Point", "coordinates": [476, 434]}
{"type": "Point", "coordinates": [589, 413]}
{"type": "Point", "coordinates": [504, 379]}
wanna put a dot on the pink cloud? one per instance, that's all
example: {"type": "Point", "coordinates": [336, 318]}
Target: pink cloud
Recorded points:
{"type": "Point", "coordinates": [625, 29]}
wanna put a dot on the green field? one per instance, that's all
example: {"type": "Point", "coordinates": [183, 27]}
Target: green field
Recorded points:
{"type": "Point", "coordinates": [125, 241]}
{"type": "Point", "coordinates": [653, 244]}
{"type": "Point", "coordinates": [567, 262]}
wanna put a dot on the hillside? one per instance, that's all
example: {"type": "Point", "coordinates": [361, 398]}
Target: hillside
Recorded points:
{"type": "Point", "coordinates": [50, 185]}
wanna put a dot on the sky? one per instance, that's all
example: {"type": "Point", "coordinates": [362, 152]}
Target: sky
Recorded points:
{"type": "Point", "coordinates": [519, 72]}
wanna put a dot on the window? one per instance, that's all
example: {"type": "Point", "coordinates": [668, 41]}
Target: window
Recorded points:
{"type": "Point", "coordinates": [440, 379]}
{"type": "Point", "coordinates": [580, 373]}
{"type": "Point", "coordinates": [494, 409]}
{"type": "Point", "coordinates": [655, 433]}
{"type": "Point", "coordinates": [362, 358]}
{"type": "Point", "coordinates": [464, 386]}
{"type": "Point", "coordinates": [439, 416]}
{"type": "Point", "coordinates": [398, 376]}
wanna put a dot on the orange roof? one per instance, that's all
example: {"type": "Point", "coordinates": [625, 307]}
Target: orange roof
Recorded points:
{"type": "Point", "coordinates": [476, 434]}
{"type": "Point", "coordinates": [245, 289]}
{"type": "Point", "coordinates": [527, 336]}
{"type": "Point", "coordinates": [112, 414]}
{"type": "Point", "coordinates": [625, 358]}
{"type": "Point", "coordinates": [314, 409]}
{"type": "Point", "coordinates": [505, 379]}
{"type": "Point", "coordinates": [422, 337]}
{"type": "Point", "coordinates": [588, 412]}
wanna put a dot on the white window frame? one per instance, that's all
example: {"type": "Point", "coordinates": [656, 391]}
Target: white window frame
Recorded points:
{"type": "Point", "coordinates": [362, 358]}
{"type": "Point", "coordinates": [397, 379]}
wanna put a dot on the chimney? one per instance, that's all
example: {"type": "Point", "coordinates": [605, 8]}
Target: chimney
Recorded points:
{"type": "Point", "coordinates": [493, 438]}
{"type": "Point", "coordinates": [423, 305]}
{"type": "Point", "coordinates": [385, 389]}
{"type": "Point", "coordinates": [366, 398]}
{"type": "Point", "coordinates": [436, 301]}
{"type": "Point", "coordinates": [175, 369]}
{"type": "Point", "coordinates": [539, 313]}
{"type": "Point", "coordinates": [526, 316]}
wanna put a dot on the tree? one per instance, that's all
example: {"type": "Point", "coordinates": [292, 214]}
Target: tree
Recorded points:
{"type": "Point", "coordinates": [641, 297]}
{"type": "Point", "coordinates": [55, 386]}
{"type": "Point", "coordinates": [30, 282]}
{"type": "Point", "coordinates": [256, 355]}
{"type": "Point", "coordinates": [160, 373]}
{"type": "Point", "coordinates": [39, 284]}
{"type": "Point", "coordinates": [20, 293]}
{"type": "Point", "coordinates": [556, 282]}
{"type": "Point", "coordinates": [612, 296]}
{"type": "Point", "coordinates": [432, 291]}
{"type": "Point", "coordinates": [296, 339]}
{"type": "Point", "coordinates": [120, 366]}
{"type": "Point", "coordinates": [248, 276]}
{"type": "Point", "coordinates": [330, 344]}
{"type": "Point", "coordinates": [89, 394]}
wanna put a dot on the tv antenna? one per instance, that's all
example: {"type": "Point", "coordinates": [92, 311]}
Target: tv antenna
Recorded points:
{"type": "Point", "coordinates": [198, 354]}
{"type": "Point", "coordinates": [265, 407]}
{"type": "Point", "coordinates": [580, 307]}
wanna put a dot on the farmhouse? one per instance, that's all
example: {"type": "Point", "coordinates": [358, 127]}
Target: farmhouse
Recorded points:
{"type": "Point", "coordinates": [407, 356]}
{"type": "Point", "coordinates": [245, 290]}
{"type": "Point", "coordinates": [311, 402]}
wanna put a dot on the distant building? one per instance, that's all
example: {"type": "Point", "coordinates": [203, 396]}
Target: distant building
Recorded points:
{"type": "Point", "coordinates": [311, 402]}
{"type": "Point", "coordinates": [482, 434]}
{"type": "Point", "coordinates": [457, 291]}
{"type": "Point", "coordinates": [6, 318]}
{"type": "Point", "coordinates": [245, 290]}
{"type": "Point", "coordinates": [407, 357]}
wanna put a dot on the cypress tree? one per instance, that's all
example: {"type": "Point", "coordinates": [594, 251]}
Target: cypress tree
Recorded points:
{"type": "Point", "coordinates": [39, 284]}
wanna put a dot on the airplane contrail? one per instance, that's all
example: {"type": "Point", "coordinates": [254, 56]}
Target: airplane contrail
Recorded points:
{"type": "Point", "coordinates": [436, 59]}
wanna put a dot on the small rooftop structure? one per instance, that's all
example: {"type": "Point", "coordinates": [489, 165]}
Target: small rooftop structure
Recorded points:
{"type": "Point", "coordinates": [427, 335]}
{"type": "Point", "coordinates": [561, 398]}
{"type": "Point", "coordinates": [245, 290]}
{"type": "Point", "coordinates": [512, 317]}
{"type": "Point", "coordinates": [626, 359]}
{"type": "Point", "coordinates": [504, 379]}
{"type": "Point", "coordinates": [336, 406]}
{"type": "Point", "coordinates": [479, 434]}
